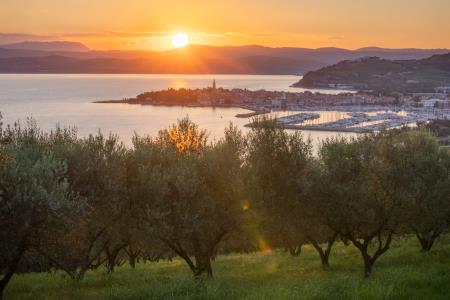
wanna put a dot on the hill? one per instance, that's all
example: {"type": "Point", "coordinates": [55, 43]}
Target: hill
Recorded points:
{"type": "Point", "coordinates": [381, 75]}
{"type": "Point", "coordinates": [54, 57]}
{"type": "Point", "coordinates": [48, 46]}
{"type": "Point", "coordinates": [403, 273]}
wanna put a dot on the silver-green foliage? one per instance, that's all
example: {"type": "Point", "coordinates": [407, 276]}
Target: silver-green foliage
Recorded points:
{"type": "Point", "coordinates": [34, 194]}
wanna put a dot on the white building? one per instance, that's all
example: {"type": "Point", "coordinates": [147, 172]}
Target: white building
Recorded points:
{"type": "Point", "coordinates": [429, 103]}
{"type": "Point", "coordinates": [443, 90]}
{"type": "Point", "coordinates": [277, 103]}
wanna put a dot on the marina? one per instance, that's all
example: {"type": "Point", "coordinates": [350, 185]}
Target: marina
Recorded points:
{"type": "Point", "coordinates": [252, 114]}
{"type": "Point", "coordinates": [353, 121]}
{"type": "Point", "coordinates": [297, 118]}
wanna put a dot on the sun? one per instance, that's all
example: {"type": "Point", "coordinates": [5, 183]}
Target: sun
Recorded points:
{"type": "Point", "coordinates": [180, 40]}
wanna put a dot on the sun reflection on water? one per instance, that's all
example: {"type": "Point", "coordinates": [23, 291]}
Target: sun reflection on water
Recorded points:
{"type": "Point", "coordinates": [179, 84]}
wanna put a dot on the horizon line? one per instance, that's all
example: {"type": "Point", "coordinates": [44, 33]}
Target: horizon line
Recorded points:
{"type": "Point", "coordinates": [218, 46]}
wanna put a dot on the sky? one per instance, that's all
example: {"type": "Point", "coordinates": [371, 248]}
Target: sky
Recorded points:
{"type": "Point", "coordinates": [148, 24]}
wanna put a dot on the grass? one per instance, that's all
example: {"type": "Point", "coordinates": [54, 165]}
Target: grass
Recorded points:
{"type": "Point", "coordinates": [402, 273]}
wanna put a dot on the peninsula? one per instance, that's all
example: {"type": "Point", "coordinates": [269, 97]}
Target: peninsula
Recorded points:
{"type": "Point", "coordinates": [365, 111]}
{"type": "Point", "coordinates": [253, 100]}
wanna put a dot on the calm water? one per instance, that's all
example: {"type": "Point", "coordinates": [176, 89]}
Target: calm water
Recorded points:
{"type": "Point", "coordinates": [67, 100]}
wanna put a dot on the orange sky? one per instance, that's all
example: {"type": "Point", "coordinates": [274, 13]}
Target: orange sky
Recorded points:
{"type": "Point", "coordinates": [147, 24]}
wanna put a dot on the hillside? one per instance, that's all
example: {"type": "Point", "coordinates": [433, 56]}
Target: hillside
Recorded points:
{"type": "Point", "coordinates": [381, 75]}
{"type": "Point", "coordinates": [59, 57]}
{"type": "Point", "coordinates": [403, 273]}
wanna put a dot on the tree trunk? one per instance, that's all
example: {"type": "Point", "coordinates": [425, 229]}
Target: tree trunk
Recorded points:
{"type": "Point", "coordinates": [324, 258]}
{"type": "Point", "coordinates": [80, 275]}
{"type": "Point", "coordinates": [202, 253]}
{"type": "Point", "coordinates": [132, 260]}
{"type": "Point", "coordinates": [4, 282]}
{"type": "Point", "coordinates": [324, 255]}
{"type": "Point", "coordinates": [111, 263]}
{"type": "Point", "coordinates": [112, 255]}
{"type": "Point", "coordinates": [203, 266]}
{"type": "Point", "coordinates": [368, 263]}
{"type": "Point", "coordinates": [132, 256]}
{"type": "Point", "coordinates": [178, 249]}
{"type": "Point", "coordinates": [363, 248]}
{"type": "Point", "coordinates": [426, 241]}
{"type": "Point", "coordinates": [11, 269]}
{"type": "Point", "coordinates": [295, 251]}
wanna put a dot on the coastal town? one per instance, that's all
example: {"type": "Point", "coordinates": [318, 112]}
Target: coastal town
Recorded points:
{"type": "Point", "coordinates": [364, 111]}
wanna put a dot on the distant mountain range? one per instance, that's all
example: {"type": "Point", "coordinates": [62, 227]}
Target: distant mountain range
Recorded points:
{"type": "Point", "coordinates": [71, 57]}
{"type": "Point", "coordinates": [381, 75]}
{"type": "Point", "coordinates": [48, 46]}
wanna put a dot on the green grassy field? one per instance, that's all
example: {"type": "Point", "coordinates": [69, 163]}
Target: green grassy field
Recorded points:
{"type": "Point", "coordinates": [402, 273]}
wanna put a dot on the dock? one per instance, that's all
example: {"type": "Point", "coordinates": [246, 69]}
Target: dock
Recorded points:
{"type": "Point", "coordinates": [252, 114]}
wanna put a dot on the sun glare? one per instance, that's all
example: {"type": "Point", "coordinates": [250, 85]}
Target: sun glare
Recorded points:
{"type": "Point", "coordinates": [180, 40]}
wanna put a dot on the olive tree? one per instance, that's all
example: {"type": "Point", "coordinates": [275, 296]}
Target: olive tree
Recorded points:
{"type": "Point", "coordinates": [190, 191]}
{"type": "Point", "coordinates": [365, 191]}
{"type": "Point", "coordinates": [319, 233]}
{"type": "Point", "coordinates": [34, 195]}
{"type": "Point", "coordinates": [276, 164]}
{"type": "Point", "coordinates": [428, 167]}
{"type": "Point", "coordinates": [96, 172]}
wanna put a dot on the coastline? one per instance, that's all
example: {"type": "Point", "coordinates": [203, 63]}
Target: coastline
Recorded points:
{"type": "Point", "coordinates": [255, 111]}
{"type": "Point", "coordinates": [315, 128]}
{"type": "Point", "coordinates": [363, 114]}
{"type": "Point", "coordinates": [252, 111]}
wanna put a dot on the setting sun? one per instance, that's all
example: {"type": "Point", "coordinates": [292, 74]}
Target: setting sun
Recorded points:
{"type": "Point", "coordinates": [180, 40]}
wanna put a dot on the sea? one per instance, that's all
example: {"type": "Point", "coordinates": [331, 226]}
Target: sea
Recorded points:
{"type": "Point", "coordinates": [67, 100]}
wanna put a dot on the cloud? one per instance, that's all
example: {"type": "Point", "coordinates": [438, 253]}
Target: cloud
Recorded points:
{"type": "Point", "coordinates": [251, 34]}
{"type": "Point", "coordinates": [115, 34]}
{"type": "Point", "coordinates": [120, 34]}
{"type": "Point", "coordinates": [134, 34]}
{"type": "Point", "coordinates": [207, 34]}
{"type": "Point", "coordinates": [21, 37]}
